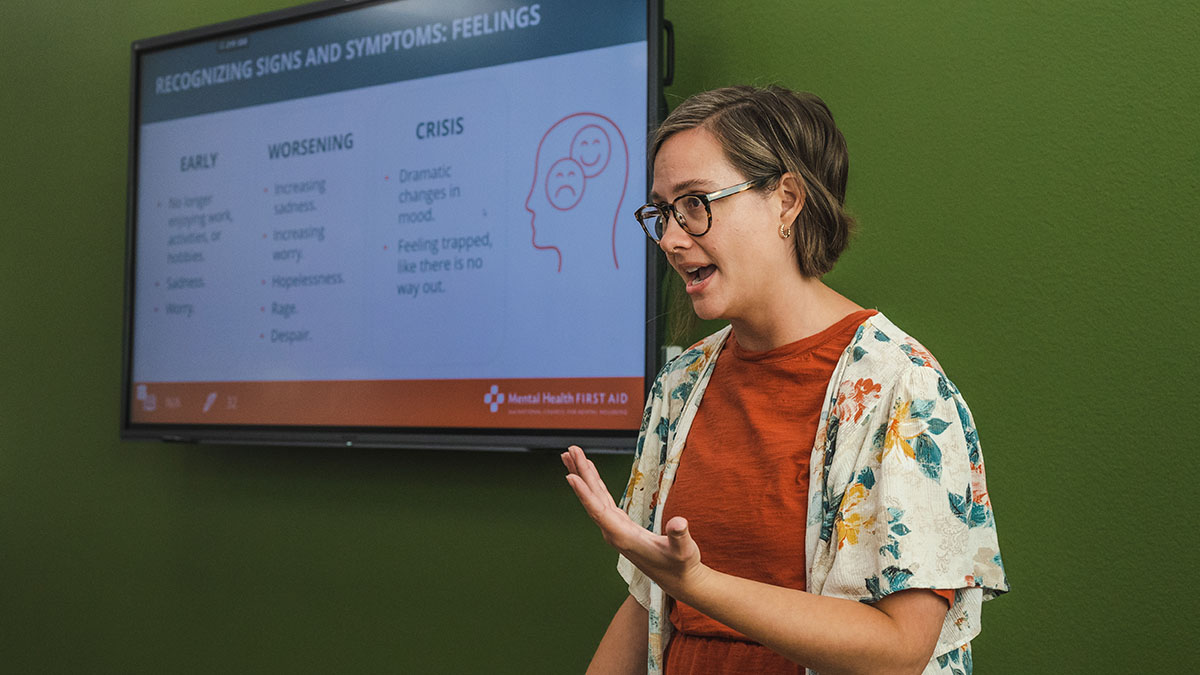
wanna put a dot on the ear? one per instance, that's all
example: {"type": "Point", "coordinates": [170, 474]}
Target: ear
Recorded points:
{"type": "Point", "coordinates": [791, 194]}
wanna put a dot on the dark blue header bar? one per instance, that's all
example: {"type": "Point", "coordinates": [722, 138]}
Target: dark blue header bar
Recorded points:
{"type": "Point", "coordinates": [371, 45]}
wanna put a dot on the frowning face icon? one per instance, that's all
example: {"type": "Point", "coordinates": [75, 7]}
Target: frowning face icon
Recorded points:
{"type": "Point", "coordinates": [591, 149]}
{"type": "Point", "coordinates": [564, 184]}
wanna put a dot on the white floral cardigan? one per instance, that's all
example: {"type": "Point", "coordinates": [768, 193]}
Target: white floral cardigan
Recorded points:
{"type": "Point", "coordinates": [897, 496]}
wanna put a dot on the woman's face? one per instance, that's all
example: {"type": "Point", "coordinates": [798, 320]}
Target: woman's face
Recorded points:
{"type": "Point", "coordinates": [730, 272]}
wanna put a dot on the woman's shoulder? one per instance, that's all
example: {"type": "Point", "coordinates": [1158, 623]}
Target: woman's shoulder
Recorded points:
{"type": "Point", "coordinates": [883, 352]}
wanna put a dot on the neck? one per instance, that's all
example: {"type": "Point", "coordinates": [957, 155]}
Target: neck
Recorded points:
{"type": "Point", "coordinates": [795, 310]}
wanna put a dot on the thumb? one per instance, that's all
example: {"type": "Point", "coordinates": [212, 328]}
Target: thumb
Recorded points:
{"type": "Point", "coordinates": [677, 532]}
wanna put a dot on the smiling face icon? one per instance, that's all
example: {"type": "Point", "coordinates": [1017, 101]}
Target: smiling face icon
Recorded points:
{"type": "Point", "coordinates": [564, 184]}
{"type": "Point", "coordinates": [591, 147]}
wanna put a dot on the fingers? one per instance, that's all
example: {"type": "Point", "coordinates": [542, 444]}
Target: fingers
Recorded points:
{"type": "Point", "coordinates": [618, 529]}
{"type": "Point", "coordinates": [568, 459]}
{"type": "Point", "coordinates": [592, 501]}
{"type": "Point", "coordinates": [577, 463]}
{"type": "Point", "coordinates": [587, 484]}
{"type": "Point", "coordinates": [588, 472]}
{"type": "Point", "coordinates": [574, 457]}
{"type": "Point", "coordinates": [615, 525]}
{"type": "Point", "coordinates": [585, 496]}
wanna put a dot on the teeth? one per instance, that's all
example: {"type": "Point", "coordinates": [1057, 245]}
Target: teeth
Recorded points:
{"type": "Point", "coordinates": [694, 273]}
{"type": "Point", "coordinates": [690, 270]}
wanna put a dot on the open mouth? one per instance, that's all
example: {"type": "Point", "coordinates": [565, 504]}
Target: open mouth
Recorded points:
{"type": "Point", "coordinates": [697, 275]}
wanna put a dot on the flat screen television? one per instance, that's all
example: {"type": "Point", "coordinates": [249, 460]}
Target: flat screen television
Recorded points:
{"type": "Point", "coordinates": [401, 223]}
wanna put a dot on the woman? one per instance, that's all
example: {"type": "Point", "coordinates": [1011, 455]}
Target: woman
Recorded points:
{"type": "Point", "coordinates": [749, 546]}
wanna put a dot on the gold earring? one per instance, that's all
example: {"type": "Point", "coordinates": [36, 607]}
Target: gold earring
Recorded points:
{"type": "Point", "coordinates": [785, 231]}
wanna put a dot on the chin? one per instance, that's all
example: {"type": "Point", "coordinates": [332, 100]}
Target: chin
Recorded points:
{"type": "Point", "coordinates": [706, 311]}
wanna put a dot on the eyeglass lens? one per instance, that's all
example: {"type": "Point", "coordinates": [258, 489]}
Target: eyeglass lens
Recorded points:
{"type": "Point", "coordinates": [688, 210]}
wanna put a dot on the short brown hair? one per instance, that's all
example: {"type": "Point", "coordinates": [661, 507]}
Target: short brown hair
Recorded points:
{"type": "Point", "coordinates": [771, 131]}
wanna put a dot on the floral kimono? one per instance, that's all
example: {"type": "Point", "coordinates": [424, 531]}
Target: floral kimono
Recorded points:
{"type": "Point", "coordinates": [897, 496]}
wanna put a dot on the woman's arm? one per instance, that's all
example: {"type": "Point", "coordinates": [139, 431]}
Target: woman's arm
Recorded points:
{"type": "Point", "coordinates": [623, 648]}
{"type": "Point", "coordinates": [830, 635]}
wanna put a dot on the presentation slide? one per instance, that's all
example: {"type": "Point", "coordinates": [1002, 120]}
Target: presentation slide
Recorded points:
{"type": "Point", "coordinates": [371, 219]}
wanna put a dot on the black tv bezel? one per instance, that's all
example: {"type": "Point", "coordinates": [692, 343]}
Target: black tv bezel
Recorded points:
{"type": "Point", "coordinates": [447, 438]}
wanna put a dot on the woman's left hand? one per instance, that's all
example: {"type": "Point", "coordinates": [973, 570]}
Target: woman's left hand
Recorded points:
{"type": "Point", "coordinates": [671, 560]}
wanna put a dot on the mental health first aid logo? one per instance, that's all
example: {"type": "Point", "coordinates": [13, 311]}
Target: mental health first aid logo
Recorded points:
{"type": "Point", "coordinates": [494, 398]}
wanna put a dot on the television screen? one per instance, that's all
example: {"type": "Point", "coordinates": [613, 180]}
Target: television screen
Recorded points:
{"type": "Point", "coordinates": [393, 223]}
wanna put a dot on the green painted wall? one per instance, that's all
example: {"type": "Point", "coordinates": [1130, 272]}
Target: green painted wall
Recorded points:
{"type": "Point", "coordinates": [1026, 179]}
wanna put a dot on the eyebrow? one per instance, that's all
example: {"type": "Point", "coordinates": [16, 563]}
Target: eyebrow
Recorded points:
{"type": "Point", "coordinates": [685, 187]}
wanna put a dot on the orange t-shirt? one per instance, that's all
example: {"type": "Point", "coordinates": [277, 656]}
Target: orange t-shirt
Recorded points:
{"type": "Point", "coordinates": [743, 485]}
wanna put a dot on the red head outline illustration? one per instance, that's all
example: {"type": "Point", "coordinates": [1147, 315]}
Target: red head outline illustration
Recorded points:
{"type": "Point", "coordinates": [580, 177]}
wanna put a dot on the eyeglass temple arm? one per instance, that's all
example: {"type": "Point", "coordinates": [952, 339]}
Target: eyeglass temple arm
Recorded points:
{"type": "Point", "coordinates": [712, 196]}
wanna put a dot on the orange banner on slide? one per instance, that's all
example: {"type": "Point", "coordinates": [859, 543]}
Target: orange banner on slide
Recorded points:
{"type": "Point", "coordinates": [544, 403]}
